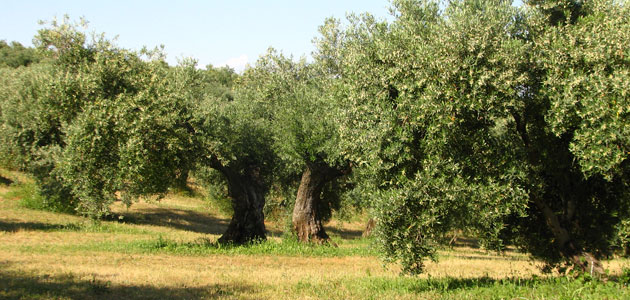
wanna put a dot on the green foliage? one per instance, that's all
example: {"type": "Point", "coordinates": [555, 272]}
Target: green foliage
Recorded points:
{"type": "Point", "coordinates": [16, 55]}
{"type": "Point", "coordinates": [21, 89]}
{"type": "Point", "coordinates": [98, 120]}
{"type": "Point", "coordinates": [31, 198]}
{"type": "Point", "coordinates": [216, 188]}
{"type": "Point", "coordinates": [233, 129]}
{"type": "Point", "coordinates": [587, 84]}
{"type": "Point", "coordinates": [624, 278]}
{"type": "Point", "coordinates": [489, 118]}
{"type": "Point", "coordinates": [623, 237]}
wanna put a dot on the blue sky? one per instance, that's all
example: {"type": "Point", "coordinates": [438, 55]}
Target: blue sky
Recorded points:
{"type": "Point", "coordinates": [215, 32]}
{"type": "Point", "coordinates": [233, 32]}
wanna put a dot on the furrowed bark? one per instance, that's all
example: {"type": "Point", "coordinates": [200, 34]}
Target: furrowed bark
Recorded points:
{"type": "Point", "coordinates": [306, 219]}
{"type": "Point", "coordinates": [248, 200]}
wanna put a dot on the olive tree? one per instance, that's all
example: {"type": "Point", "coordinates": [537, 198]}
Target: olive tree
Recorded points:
{"type": "Point", "coordinates": [305, 128]}
{"type": "Point", "coordinates": [101, 120]}
{"type": "Point", "coordinates": [505, 121]}
{"type": "Point", "coordinates": [236, 140]}
{"type": "Point", "coordinates": [135, 143]}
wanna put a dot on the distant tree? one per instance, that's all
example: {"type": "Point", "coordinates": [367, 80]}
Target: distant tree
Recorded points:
{"type": "Point", "coordinates": [507, 122]}
{"type": "Point", "coordinates": [100, 121]}
{"type": "Point", "coordinates": [16, 55]}
{"type": "Point", "coordinates": [236, 140]}
{"type": "Point", "coordinates": [304, 123]}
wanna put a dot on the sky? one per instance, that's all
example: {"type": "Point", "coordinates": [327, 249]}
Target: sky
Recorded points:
{"type": "Point", "coordinates": [228, 32]}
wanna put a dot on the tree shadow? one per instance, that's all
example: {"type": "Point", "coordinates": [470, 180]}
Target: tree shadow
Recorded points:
{"type": "Point", "coordinates": [453, 284]}
{"type": "Point", "coordinates": [175, 218]}
{"type": "Point", "coordinates": [22, 285]}
{"type": "Point", "coordinates": [180, 219]}
{"type": "Point", "coordinates": [35, 226]}
{"type": "Point", "coordinates": [5, 181]}
{"type": "Point", "coordinates": [346, 234]}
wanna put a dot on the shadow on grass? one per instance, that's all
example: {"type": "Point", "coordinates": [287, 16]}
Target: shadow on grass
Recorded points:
{"type": "Point", "coordinates": [5, 181]}
{"type": "Point", "coordinates": [178, 219]}
{"type": "Point", "coordinates": [22, 285]}
{"type": "Point", "coordinates": [175, 218]}
{"type": "Point", "coordinates": [345, 234]}
{"type": "Point", "coordinates": [35, 226]}
{"type": "Point", "coordinates": [453, 284]}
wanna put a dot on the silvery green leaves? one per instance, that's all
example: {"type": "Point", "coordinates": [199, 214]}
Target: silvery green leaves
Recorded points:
{"type": "Point", "coordinates": [432, 91]}
{"type": "Point", "coordinates": [485, 117]}
{"type": "Point", "coordinates": [588, 83]}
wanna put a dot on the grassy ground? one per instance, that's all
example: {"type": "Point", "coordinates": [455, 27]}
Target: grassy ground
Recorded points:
{"type": "Point", "coordinates": [167, 250]}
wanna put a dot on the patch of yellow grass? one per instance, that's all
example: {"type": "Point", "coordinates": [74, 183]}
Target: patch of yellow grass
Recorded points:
{"type": "Point", "coordinates": [270, 274]}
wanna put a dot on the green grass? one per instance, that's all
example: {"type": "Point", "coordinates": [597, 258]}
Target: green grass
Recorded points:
{"type": "Point", "coordinates": [468, 288]}
{"type": "Point", "coordinates": [25, 285]}
{"type": "Point", "coordinates": [202, 247]}
{"type": "Point", "coordinates": [286, 247]}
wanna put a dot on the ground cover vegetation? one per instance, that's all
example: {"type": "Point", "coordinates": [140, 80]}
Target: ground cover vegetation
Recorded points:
{"type": "Point", "coordinates": [506, 124]}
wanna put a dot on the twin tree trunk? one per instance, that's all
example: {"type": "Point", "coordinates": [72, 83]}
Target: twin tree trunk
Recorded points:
{"type": "Point", "coordinates": [307, 222]}
{"type": "Point", "coordinates": [247, 192]}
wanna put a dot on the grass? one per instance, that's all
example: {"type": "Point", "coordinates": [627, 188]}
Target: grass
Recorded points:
{"type": "Point", "coordinates": [168, 250]}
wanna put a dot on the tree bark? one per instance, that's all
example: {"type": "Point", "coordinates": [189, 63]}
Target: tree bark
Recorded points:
{"type": "Point", "coordinates": [247, 193]}
{"type": "Point", "coordinates": [307, 222]}
{"type": "Point", "coordinates": [580, 258]}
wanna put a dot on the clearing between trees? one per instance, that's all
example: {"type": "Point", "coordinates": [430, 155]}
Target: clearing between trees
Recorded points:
{"type": "Point", "coordinates": [168, 249]}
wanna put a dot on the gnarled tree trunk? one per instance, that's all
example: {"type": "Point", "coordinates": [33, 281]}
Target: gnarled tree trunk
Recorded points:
{"type": "Point", "coordinates": [580, 258]}
{"type": "Point", "coordinates": [248, 200]}
{"type": "Point", "coordinates": [307, 222]}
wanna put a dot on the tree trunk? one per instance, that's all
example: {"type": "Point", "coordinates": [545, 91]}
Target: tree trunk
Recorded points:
{"type": "Point", "coordinates": [181, 181]}
{"type": "Point", "coordinates": [580, 258]}
{"type": "Point", "coordinates": [369, 227]}
{"type": "Point", "coordinates": [306, 220]}
{"type": "Point", "coordinates": [248, 200]}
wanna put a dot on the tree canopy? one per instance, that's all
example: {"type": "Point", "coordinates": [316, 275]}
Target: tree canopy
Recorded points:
{"type": "Point", "coordinates": [490, 117]}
